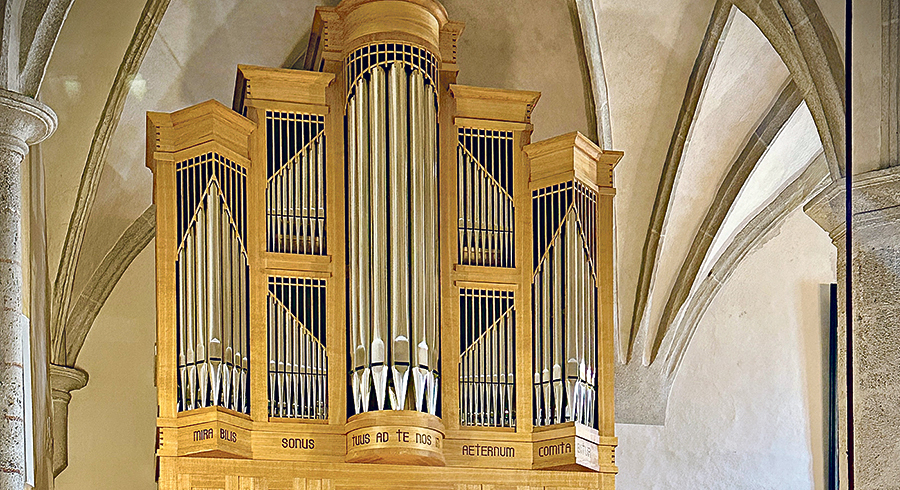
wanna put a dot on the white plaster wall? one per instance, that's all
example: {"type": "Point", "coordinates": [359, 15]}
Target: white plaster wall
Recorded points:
{"type": "Point", "coordinates": [112, 421]}
{"type": "Point", "coordinates": [746, 409]}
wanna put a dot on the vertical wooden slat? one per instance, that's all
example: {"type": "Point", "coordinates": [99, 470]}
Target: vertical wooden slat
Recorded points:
{"type": "Point", "coordinates": [335, 211]}
{"type": "Point", "coordinates": [605, 343]}
{"type": "Point", "coordinates": [450, 318]}
{"type": "Point", "coordinates": [166, 245]}
{"type": "Point", "coordinates": [257, 175]}
{"type": "Point", "coordinates": [232, 482]}
{"type": "Point", "coordinates": [523, 260]}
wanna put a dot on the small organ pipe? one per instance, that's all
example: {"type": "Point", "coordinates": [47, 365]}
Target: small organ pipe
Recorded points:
{"type": "Point", "coordinates": [472, 204]}
{"type": "Point", "coordinates": [301, 238]}
{"type": "Point", "coordinates": [237, 326]}
{"type": "Point", "coordinates": [432, 269]}
{"type": "Point", "coordinates": [283, 189]}
{"type": "Point", "coordinates": [191, 322]}
{"type": "Point", "coordinates": [320, 194]}
{"type": "Point", "coordinates": [378, 211]}
{"type": "Point", "coordinates": [417, 238]}
{"type": "Point", "coordinates": [244, 333]}
{"type": "Point", "coordinates": [364, 283]}
{"type": "Point", "coordinates": [215, 272]}
{"type": "Point", "coordinates": [270, 216]}
{"type": "Point", "coordinates": [182, 326]}
{"type": "Point", "coordinates": [281, 342]}
{"type": "Point", "coordinates": [273, 356]}
{"type": "Point", "coordinates": [204, 315]}
{"type": "Point", "coordinates": [495, 367]}
{"type": "Point", "coordinates": [578, 313]}
{"type": "Point", "coordinates": [555, 333]}
{"type": "Point", "coordinates": [500, 371]}
{"type": "Point", "coordinates": [227, 323]}
{"type": "Point", "coordinates": [399, 264]}
{"type": "Point", "coordinates": [510, 368]}
{"type": "Point", "coordinates": [353, 211]}
{"type": "Point", "coordinates": [571, 356]}
{"type": "Point", "coordinates": [537, 309]}
{"type": "Point", "coordinates": [460, 204]}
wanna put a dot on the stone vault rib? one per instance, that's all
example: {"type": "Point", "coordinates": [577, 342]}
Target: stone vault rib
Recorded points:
{"type": "Point", "coordinates": [90, 178]}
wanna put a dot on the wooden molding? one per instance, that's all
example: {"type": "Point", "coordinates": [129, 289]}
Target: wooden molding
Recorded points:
{"type": "Point", "coordinates": [209, 123]}
{"type": "Point", "coordinates": [449, 38]}
{"type": "Point", "coordinates": [494, 104]}
{"type": "Point", "coordinates": [568, 156]}
{"type": "Point", "coordinates": [256, 83]}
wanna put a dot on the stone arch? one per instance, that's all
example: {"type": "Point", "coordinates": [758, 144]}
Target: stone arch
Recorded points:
{"type": "Point", "coordinates": [798, 31]}
{"type": "Point", "coordinates": [800, 35]}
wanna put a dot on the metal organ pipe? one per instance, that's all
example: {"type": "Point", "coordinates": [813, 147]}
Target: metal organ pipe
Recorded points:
{"type": "Point", "coordinates": [211, 290]}
{"type": "Point", "coordinates": [392, 235]}
{"type": "Point", "coordinates": [487, 390]}
{"type": "Point", "coordinates": [432, 269]}
{"type": "Point", "coordinates": [298, 359]}
{"type": "Point", "coordinates": [486, 211]}
{"type": "Point", "coordinates": [295, 191]}
{"type": "Point", "coordinates": [419, 345]}
{"type": "Point", "coordinates": [565, 312]}
{"type": "Point", "coordinates": [571, 329]}
{"type": "Point", "coordinates": [363, 281]}
{"type": "Point", "coordinates": [356, 360]}
{"type": "Point", "coordinates": [400, 368]}
{"type": "Point", "coordinates": [378, 212]}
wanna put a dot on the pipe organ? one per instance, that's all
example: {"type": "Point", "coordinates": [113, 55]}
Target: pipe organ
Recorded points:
{"type": "Point", "coordinates": [368, 276]}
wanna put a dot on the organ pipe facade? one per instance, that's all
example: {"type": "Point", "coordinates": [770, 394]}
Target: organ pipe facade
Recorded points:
{"type": "Point", "coordinates": [392, 165]}
{"type": "Point", "coordinates": [362, 261]}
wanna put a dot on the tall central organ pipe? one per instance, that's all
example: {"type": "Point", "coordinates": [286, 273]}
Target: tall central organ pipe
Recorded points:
{"type": "Point", "coordinates": [392, 165]}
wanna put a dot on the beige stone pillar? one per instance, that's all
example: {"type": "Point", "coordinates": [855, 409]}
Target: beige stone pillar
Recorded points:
{"type": "Point", "coordinates": [876, 322]}
{"type": "Point", "coordinates": [23, 121]}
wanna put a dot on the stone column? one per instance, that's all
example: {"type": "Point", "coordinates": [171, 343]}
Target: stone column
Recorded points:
{"type": "Point", "coordinates": [63, 381]}
{"type": "Point", "coordinates": [876, 322]}
{"type": "Point", "coordinates": [23, 121]}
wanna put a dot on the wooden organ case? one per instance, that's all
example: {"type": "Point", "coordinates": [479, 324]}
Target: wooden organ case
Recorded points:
{"type": "Point", "coordinates": [368, 276]}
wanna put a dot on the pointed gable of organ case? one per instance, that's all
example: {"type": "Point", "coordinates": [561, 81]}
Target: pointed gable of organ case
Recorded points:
{"type": "Point", "coordinates": [364, 268]}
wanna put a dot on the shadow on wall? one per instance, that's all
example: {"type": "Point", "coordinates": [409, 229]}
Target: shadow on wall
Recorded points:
{"type": "Point", "coordinates": [526, 45]}
{"type": "Point", "coordinates": [112, 421]}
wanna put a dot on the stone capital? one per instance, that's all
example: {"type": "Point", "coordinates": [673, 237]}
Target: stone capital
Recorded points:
{"type": "Point", "coordinates": [64, 380]}
{"type": "Point", "coordinates": [876, 201]}
{"type": "Point", "coordinates": [23, 121]}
